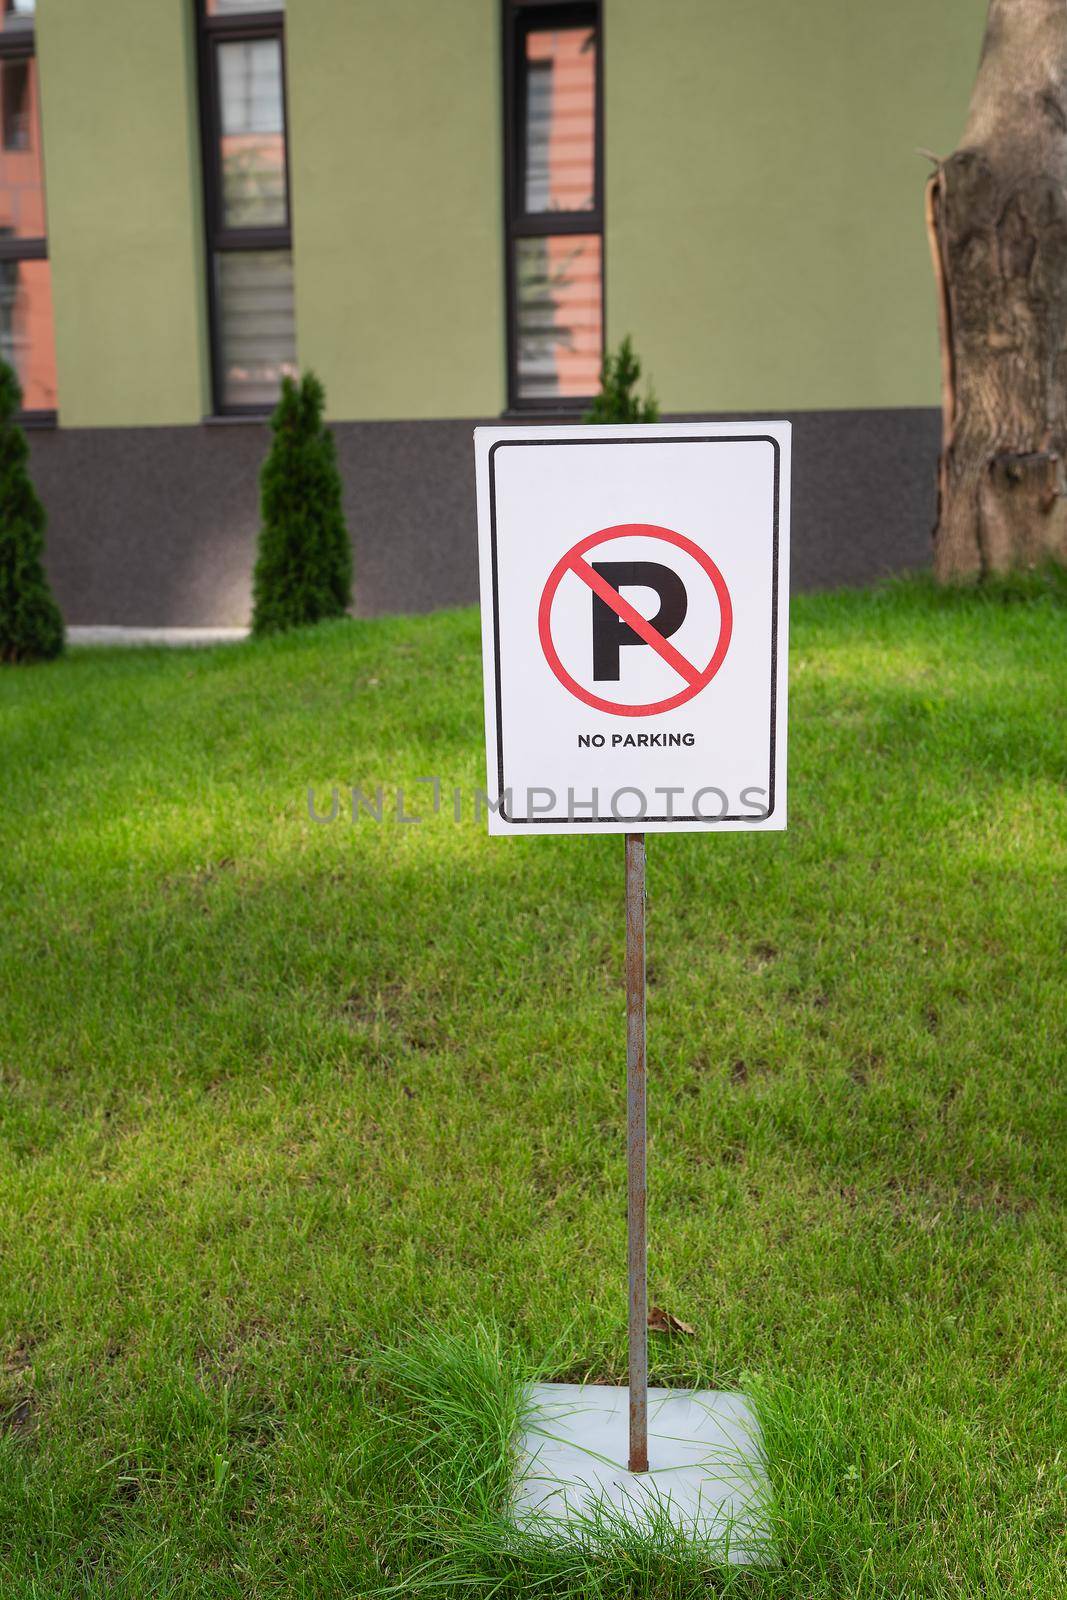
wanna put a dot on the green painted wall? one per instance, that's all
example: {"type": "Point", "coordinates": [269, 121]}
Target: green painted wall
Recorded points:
{"type": "Point", "coordinates": [765, 241]}
{"type": "Point", "coordinates": [397, 208]}
{"type": "Point", "coordinates": [124, 213]}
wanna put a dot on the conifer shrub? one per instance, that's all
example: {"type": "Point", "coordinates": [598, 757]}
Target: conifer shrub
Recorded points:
{"type": "Point", "coordinates": [31, 627]}
{"type": "Point", "coordinates": [303, 571]}
{"type": "Point", "coordinates": [618, 400]}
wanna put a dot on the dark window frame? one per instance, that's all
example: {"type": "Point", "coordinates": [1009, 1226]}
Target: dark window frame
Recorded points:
{"type": "Point", "coordinates": [21, 44]}
{"type": "Point", "coordinates": [521, 17]}
{"type": "Point", "coordinates": [218, 237]}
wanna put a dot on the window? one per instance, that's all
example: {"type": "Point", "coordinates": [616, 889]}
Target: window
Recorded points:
{"type": "Point", "coordinates": [27, 340]}
{"type": "Point", "coordinates": [553, 203]}
{"type": "Point", "coordinates": [246, 203]}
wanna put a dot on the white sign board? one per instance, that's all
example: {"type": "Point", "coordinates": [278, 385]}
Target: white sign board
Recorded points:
{"type": "Point", "coordinates": [634, 587]}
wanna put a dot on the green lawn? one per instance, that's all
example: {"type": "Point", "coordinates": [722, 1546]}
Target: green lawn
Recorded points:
{"type": "Point", "coordinates": [277, 1096]}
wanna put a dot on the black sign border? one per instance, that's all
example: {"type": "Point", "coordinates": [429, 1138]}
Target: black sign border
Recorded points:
{"type": "Point", "coordinates": [638, 822]}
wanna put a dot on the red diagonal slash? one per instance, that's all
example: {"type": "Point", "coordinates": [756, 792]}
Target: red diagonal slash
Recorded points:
{"type": "Point", "coordinates": [641, 625]}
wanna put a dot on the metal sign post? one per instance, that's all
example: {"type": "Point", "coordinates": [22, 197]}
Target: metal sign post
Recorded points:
{"type": "Point", "coordinates": [636, 1149]}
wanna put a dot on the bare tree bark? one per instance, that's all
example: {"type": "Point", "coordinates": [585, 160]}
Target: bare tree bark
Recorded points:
{"type": "Point", "coordinates": [996, 213]}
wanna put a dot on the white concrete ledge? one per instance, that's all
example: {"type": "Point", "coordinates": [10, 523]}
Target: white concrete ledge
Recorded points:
{"type": "Point", "coordinates": [159, 636]}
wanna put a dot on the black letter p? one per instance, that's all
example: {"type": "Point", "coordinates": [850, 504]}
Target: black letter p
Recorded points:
{"type": "Point", "coordinates": [610, 632]}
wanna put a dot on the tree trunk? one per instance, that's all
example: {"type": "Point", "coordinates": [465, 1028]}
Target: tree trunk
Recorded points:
{"type": "Point", "coordinates": [997, 218]}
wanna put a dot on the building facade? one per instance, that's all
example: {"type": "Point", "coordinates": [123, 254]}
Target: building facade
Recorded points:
{"type": "Point", "coordinates": [444, 207]}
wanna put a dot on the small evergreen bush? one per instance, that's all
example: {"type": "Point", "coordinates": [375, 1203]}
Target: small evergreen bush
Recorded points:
{"type": "Point", "coordinates": [31, 627]}
{"type": "Point", "coordinates": [304, 568]}
{"type": "Point", "coordinates": [617, 401]}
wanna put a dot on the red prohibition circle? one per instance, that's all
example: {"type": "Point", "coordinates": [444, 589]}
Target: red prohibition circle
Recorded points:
{"type": "Point", "coordinates": [624, 530]}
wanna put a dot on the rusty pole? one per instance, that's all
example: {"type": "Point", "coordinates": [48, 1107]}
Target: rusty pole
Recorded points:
{"type": "Point", "coordinates": [636, 1148]}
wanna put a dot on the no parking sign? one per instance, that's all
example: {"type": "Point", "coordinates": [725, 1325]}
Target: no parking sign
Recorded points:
{"type": "Point", "coordinates": [634, 626]}
{"type": "Point", "coordinates": [634, 629]}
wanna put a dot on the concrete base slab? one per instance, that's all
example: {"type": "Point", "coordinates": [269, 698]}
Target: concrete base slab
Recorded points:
{"type": "Point", "coordinates": [706, 1478]}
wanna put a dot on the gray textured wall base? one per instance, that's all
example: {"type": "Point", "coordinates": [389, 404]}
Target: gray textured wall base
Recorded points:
{"type": "Point", "coordinates": [156, 527]}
